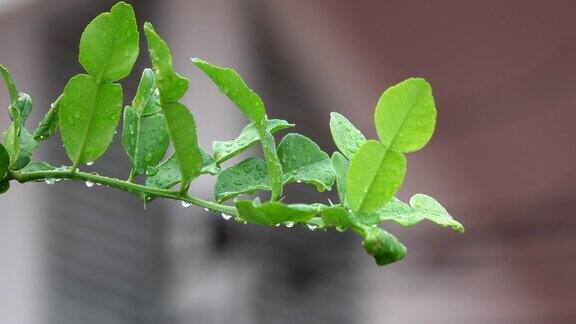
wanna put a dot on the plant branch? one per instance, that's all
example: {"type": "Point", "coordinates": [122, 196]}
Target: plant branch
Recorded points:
{"type": "Point", "coordinates": [134, 188]}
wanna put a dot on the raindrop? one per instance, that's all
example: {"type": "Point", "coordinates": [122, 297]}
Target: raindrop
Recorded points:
{"type": "Point", "coordinates": [289, 224]}
{"type": "Point", "coordinates": [49, 181]}
{"type": "Point", "coordinates": [206, 209]}
{"type": "Point", "coordinates": [226, 216]}
{"type": "Point", "coordinates": [186, 204]}
{"type": "Point", "coordinates": [340, 229]}
{"type": "Point", "coordinates": [90, 163]}
{"type": "Point", "coordinates": [312, 227]}
{"type": "Point", "coordinates": [89, 184]}
{"type": "Point", "coordinates": [299, 181]}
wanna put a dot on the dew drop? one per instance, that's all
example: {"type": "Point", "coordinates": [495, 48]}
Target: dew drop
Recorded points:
{"type": "Point", "coordinates": [49, 181]}
{"type": "Point", "coordinates": [186, 204]}
{"type": "Point", "coordinates": [90, 163]}
{"type": "Point", "coordinates": [289, 224]}
{"type": "Point", "coordinates": [89, 184]}
{"type": "Point", "coordinates": [299, 181]}
{"type": "Point", "coordinates": [206, 209]}
{"type": "Point", "coordinates": [340, 229]}
{"type": "Point", "coordinates": [226, 216]}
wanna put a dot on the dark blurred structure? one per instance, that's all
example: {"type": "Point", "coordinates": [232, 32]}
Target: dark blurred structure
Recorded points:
{"type": "Point", "coordinates": [502, 160]}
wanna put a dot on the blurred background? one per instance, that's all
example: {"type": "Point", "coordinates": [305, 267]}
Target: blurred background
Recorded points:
{"type": "Point", "coordinates": [502, 160]}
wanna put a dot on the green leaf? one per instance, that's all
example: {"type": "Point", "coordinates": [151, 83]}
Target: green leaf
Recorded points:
{"type": "Point", "coordinates": [421, 207]}
{"type": "Point", "coordinates": [167, 174]}
{"type": "Point", "coordinates": [339, 217]}
{"type": "Point", "coordinates": [171, 85]}
{"type": "Point", "coordinates": [89, 115]}
{"type": "Point", "coordinates": [145, 139]}
{"type": "Point", "coordinates": [4, 162]}
{"type": "Point", "coordinates": [110, 44]}
{"type": "Point", "coordinates": [374, 176]}
{"type": "Point", "coordinates": [248, 137]}
{"type": "Point", "coordinates": [231, 84]}
{"type": "Point", "coordinates": [10, 85]}
{"type": "Point", "coordinates": [182, 130]}
{"type": "Point", "coordinates": [12, 140]}
{"type": "Point", "coordinates": [340, 165]}
{"type": "Point", "coordinates": [37, 166]}
{"type": "Point", "coordinates": [146, 101]}
{"type": "Point", "coordinates": [302, 160]}
{"type": "Point", "coordinates": [209, 166]}
{"type": "Point", "coordinates": [245, 177]}
{"type": "Point", "coordinates": [406, 115]}
{"type": "Point", "coordinates": [274, 212]}
{"type": "Point", "coordinates": [27, 145]}
{"type": "Point", "coordinates": [383, 246]}
{"type": "Point", "coordinates": [24, 107]}
{"type": "Point", "coordinates": [347, 138]}
{"type": "Point", "coordinates": [50, 123]}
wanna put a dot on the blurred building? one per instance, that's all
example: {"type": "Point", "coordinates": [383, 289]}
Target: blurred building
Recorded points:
{"type": "Point", "coordinates": [502, 160]}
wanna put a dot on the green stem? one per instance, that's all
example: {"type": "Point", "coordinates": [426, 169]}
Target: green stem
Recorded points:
{"type": "Point", "coordinates": [134, 188]}
{"type": "Point", "coordinates": [131, 176]}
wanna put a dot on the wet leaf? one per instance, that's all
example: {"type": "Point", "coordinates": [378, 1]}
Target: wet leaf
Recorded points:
{"type": "Point", "coordinates": [89, 115]}
{"type": "Point", "coordinates": [302, 160]}
{"type": "Point", "coordinates": [182, 130]}
{"type": "Point", "coordinates": [245, 177]}
{"type": "Point", "coordinates": [231, 84]}
{"type": "Point", "coordinates": [339, 217]}
{"type": "Point", "coordinates": [340, 165]}
{"type": "Point", "coordinates": [171, 85]}
{"type": "Point", "coordinates": [27, 146]}
{"type": "Point", "coordinates": [248, 137]}
{"type": "Point", "coordinates": [275, 212]}
{"type": "Point", "coordinates": [406, 115]}
{"type": "Point", "coordinates": [10, 85]}
{"type": "Point", "coordinates": [37, 166]}
{"type": "Point", "coordinates": [4, 162]}
{"type": "Point", "coordinates": [110, 44]}
{"type": "Point", "coordinates": [374, 176]}
{"type": "Point", "coordinates": [347, 138]}
{"type": "Point", "coordinates": [383, 246]}
{"type": "Point", "coordinates": [209, 166]}
{"type": "Point", "coordinates": [421, 207]}
{"type": "Point", "coordinates": [145, 139]}
{"type": "Point", "coordinates": [147, 101]}
{"type": "Point", "coordinates": [167, 174]}
{"type": "Point", "coordinates": [50, 123]}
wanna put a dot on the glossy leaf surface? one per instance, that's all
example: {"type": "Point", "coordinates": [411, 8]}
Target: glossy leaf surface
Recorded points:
{"type": "Point", "coordinates": [50, 123]}
{"type": "Point", "coordinates": [245, 177]}
{"type": "Point", "coordinates": [274, 212]}
{"type": "Point", "coordinates": [248, 137]}
{"type": "Point", "coordinates": [421, 207]}
{"type": "Point", "coordinates": [110, 43]}
{"type": "Point", "coordinates": [4, 162]}
{"type": "Point", "coordinates": [182, 130]}
{"type": "Point", "coordinates": [27, 146]}
{"type": "Point", "coordinates": [231, 84]}
{"type": "Point", "coordinates": [347, 138]}
{"type": "Point", "coordinates": [10, 84]}
{"type": "Point", "coordinates": [167, 174]}
{"type": "Point", "coordinates": [171, 85]}
{"type": "Point", "coordinates": [89, 115]}
{"type": "Point", "coordinates": [340, 165]}
{"type": "Point", "coordinates": [374, 176]}
{"type": "Point", "coordinates": [406, 115]}
{"type": "Point", "coordinates": [145, 139]}
{"type": "Point", "coordinates": [302, 160]}
{"type": "Point", "coordinates": [383, 246]}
